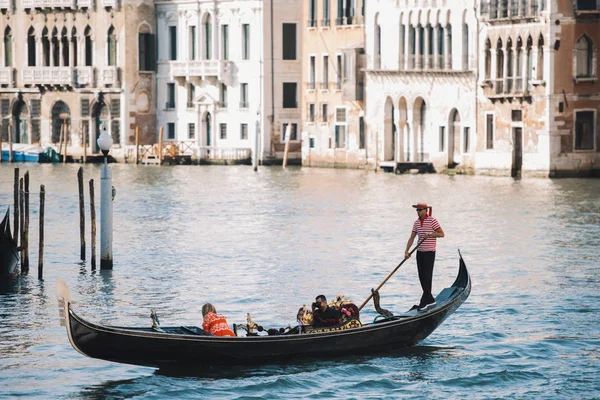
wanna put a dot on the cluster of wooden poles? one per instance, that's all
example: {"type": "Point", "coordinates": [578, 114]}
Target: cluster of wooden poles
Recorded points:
{"type": "Point", "coordinates": [21, 220]}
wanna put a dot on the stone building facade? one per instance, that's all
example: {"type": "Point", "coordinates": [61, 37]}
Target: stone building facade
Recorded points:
{"type": "Point", "coordinates": [85, 64]}
{"type": "Point", "coordinates": [333, 122]}
{"type": "Point", "coordinates": [420, 82]}
{"type": "Point", "coordinates": [229, 74]}
{"type": "Point", "coordinates": [539, 95]}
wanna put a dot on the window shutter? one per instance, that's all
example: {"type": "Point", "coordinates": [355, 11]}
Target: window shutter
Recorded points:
{"type": "Point", "coordinates": [35, 108]}
{"type": "Point", "coordinates": [116, 136]}
{"type": "Point", "coordinates": [115, 108]}
{"type": "Point", "coordinates": [85, 107]}
{"type": "Point", "coordinates": [5, 107]}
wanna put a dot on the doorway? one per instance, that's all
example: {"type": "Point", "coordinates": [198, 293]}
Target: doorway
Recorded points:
{"type": "Point", "coordinates": [517, 160]}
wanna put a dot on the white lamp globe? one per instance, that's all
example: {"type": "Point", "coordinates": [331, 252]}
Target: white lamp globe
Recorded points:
{"type": "Point", "coordinates": [105, 142]}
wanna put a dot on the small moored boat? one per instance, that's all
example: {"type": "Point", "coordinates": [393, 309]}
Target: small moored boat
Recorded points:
{"type": "Point", "coordinates": [9, 256]}
{"type": "Point", "coordinates": [189, 345]}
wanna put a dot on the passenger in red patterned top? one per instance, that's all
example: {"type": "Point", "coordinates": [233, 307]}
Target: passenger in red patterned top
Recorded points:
{"type": "Point", "coordinates": [428, 229]}
{"type": "Point", "coordinates": [215, 323]}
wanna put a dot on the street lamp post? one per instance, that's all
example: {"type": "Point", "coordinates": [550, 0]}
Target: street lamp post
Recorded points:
{"type": "Point", "coordinates": [106, 197]}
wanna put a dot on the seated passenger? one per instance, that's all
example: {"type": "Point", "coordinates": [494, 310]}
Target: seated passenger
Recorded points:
{"type": "Point", "coordinates": [214, 323]}
{"type": "Point", "coordinates": [323, 315]}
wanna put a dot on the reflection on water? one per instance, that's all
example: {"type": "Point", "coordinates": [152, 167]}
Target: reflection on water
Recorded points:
{"type": "Point", "coordinates": [269, 242]}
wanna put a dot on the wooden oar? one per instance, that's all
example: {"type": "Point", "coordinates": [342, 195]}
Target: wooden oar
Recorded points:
{"type": "Point", "coordinates": [390, 275]}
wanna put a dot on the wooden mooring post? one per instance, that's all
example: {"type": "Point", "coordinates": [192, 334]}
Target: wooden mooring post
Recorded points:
{"type": "Point", "coordinates": [24, 267]}
{"type": "Point", "coordinates": [41, 245]}
{"type": "Point", "coordinates": [84, 137]}
{"type": "Point", "coordinates": [93, 223]}
{"type": "Point", "coordinates": [25, 243]}
{"type": "Point", "coordinates": [137, 145]}
{"type": "Point", "coordinates": [10, 143]}
{"type": "Point", "coordinates": [160, 146]}
{"type": "Point", "coordinates": [81, 212]}
{"type": "Point", "coordinates": [16, 206]}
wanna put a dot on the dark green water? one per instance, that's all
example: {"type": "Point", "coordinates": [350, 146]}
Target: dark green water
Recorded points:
{"type": "Point", "coordinates": [269, 242]}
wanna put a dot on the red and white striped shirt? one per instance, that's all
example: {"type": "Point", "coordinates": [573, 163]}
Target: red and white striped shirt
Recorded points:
{"type": "Point", "coordinates": [421, 228]}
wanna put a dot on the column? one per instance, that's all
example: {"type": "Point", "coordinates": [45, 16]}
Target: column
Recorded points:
{"type": "Point", "coordinates": [39, 52]}
{"type": "Point", "coordinates": [427, 49]}
{"type": "Point", "coordinates": [61, 62]}
{"type": "Point", "coordinates": [215, 37]}
{"type": "Point", "coordinates": [504, 70]}
{"type": "Point", "coordinates": [534, 63]}
{"type": "Point", "coordinates": [493, 66]}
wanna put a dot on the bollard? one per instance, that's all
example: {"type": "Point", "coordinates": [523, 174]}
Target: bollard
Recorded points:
{"type": "Point", "coordinates": [106, 260]}
{"type": "Point", "coordinates": [16, 206]}
{"type": "Point", "coordinates": [25, 244]}
{"type": "Point", "coordinates": [24, 267]}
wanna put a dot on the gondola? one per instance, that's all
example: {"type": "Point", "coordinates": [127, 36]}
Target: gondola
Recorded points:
{"type": "Point", "coordinates": [9, 256]}
{"type": "Point", "coordinates": [189, 345]}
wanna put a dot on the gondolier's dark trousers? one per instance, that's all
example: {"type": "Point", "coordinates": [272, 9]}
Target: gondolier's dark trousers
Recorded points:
{"type": "Point", "coordinates": [425, 261]}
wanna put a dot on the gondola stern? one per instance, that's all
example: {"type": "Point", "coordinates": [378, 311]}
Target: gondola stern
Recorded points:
{"type": "Point", "coordinates": [63, 294]}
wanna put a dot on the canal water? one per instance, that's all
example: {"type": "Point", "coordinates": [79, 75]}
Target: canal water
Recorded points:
{"type": "Point", "coordinates": [268, 242]}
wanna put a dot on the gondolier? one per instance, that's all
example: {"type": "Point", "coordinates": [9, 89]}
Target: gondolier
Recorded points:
{"type": "Point", "coordinates": [428, 229]}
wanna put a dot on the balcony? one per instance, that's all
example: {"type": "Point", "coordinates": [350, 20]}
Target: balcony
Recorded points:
{"type": "Point", "coordinates": [6, 76]}
{"type": "Point", "coordinates": [110, 3]}
{"type": "Point", "coordinates": [48, 76]}
{"type": "Point", "coordinates": [109, 76]}
{"type": "Point", "coordinates": [84, 76]}
{"type": "Point", "coordinates": [202, 69]}
{"type": "Point", "coordinates": [5, 4]}
{"type": "Point", "coordinates": [85, 3]}
{"type": "Point", "coordinates": [48, 3]}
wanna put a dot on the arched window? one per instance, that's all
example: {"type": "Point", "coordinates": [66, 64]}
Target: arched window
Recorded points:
{"type": "Point", "coordinates": [74, 49]}
{"type": "Point", "coordinates": [377, 43]}
{"type": "Point", "coordinates": [584, 56]}
{"type": "Point", "coordinates": [89, 47]}
{"type": "Point", "coordinates": [64, 40]}
{"type": "Point", "coordinates": [499, 68]}
{"type": "Point", "coordinates": [207, 37]}
{"type": "Point", "coordinates": [112, 46]}
{"type": "Point", "coordinates": [146, 55]}
{"type": "Point", "coordinates": [488, 59]}
{"type": "Point", "coordinates": [465, 44]}
{"type": "Point", "coordinates": [540, 60]}
{"type": "Point", "coordinates": [31, 48]}
{"type": "Point", "coordinates": [510, 68]}
{"type": "Point", "coordinates": [8, 51]}
{"type": "Point", "coordinates": [519, 66]}
{"type": "Point", "coordinates": [401, 40]}
{"type": "Point", "coordinates": [45, 48]}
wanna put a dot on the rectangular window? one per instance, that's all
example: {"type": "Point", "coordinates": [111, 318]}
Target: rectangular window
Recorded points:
{"type": "Point", "coordinates": [112, 50]}
{"type": "Point", "coordinates": [516, 115]}
{"type": "Point", "coordinates": [584, 130]}
{"type": "Point", "coordinates": [8, 57]}
{"type": "Point", "coordinates": [245, 41]}
{"type": "Point", "coordinates": [115, 108]}
{"type": "Point", "coordinates": [170, 96]}
{"type": "Point", "coordinates": [326, 13]}
{"type": "Point", "coordinates": [466, 144]}
{"type": "Point", "coordinates": [489, 131]}
{"type": "Point", "coordinates": [325, 78]}
{"type": "Point", "coordinates": [146, 57]}
{"type": "Point", "coordinates": [311, 112]}
{"type": "Point", "coordinates": [207, 40]}
{"type": "Point", "coordinates": [171, 130]}
{"type": "Point", "coordinates": [442, 138]}
{"type": "Point", "coordinates": [225, 42]}
{"type": "Point", "coordinates": [191, 130]}
{"type": "Point", "coordinates": [244, 131]}
{"type": "Point", "coordinates": [312, 72]}
{"type": "Point", "coordinates": [338, 72]}
{"type": "Point", "coordinates": [293, 131]}
{"type": "Point", "coordinates": [89, 50]}
{"type": "Point", "coordinates": [192, 42]}
{"type": "Point", "coordinates": [290, 99]}
{"type": "Point", "coordinates": [244, 96]}
{"type": "Point", "coordinates": [172, 43]}
{"type": "Point", "coordinates": [223, 131]}
{"type": "Point", "coordinates": [312, 13]}
{"type": "Point", "coordinates": [324, 112]}
{"type": "Point", "coordinates": [340, 127]}
{"type": "Point", "coordinates": [289, 41]}
{"type": "Point", "coordinates": [223, 102]}
{"type": "Point", "coordinates": [191, 95]}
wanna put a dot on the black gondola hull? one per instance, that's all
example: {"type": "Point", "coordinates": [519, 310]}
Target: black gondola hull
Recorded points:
{"type": "Point", "coordinates": [143, 346]}
{"type": "Point", "coordinates": [9, 256]}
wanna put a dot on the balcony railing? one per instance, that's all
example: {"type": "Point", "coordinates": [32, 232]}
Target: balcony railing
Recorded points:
{"type": "Point", "coordinates": [324, 85]}
{"type": "Point", "coordinates": [201, 69]}
{"type": "Point", "coordinates": [85, 3]}
{"type": "Point", "coordinates": [326, 22]}
{"type": "Point", "coordinates": [244, 104]}
{"type": "Point", "coordinates": [48, 3]}
{"type": "Point", "coordinates": [223, 153]}
{"type": "Point", "coordinates": [311, 85]}
{"type": "Point", "coordinates": [170, 105]}
{"type": "Point", "coordinates": [222, 104]}
{"type": "Point", "coordinates": [311, 23]}
{"type": "Point", "coordinates": [84, 76]}
{"type": "Point", "coordinates": [50, 76]}
{"type": "Point", "coordinates": [6, 76]}
{"type": "Point", "coordinates": [109, 76]}
{"type": "Point", "coordinates": [110, 3]}
{"type": "Point", "coordinates": [5, 4]}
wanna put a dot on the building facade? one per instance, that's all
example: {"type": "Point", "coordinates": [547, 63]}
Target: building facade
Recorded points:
{"type": "Point", "coordinates": [229, 75]}
{"type": "Point", "coordinates": [85, 65]}
{"type": "Point", "coordinates": [333, 123]}
{"type": "Point", "coordinates": [420, 82]}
